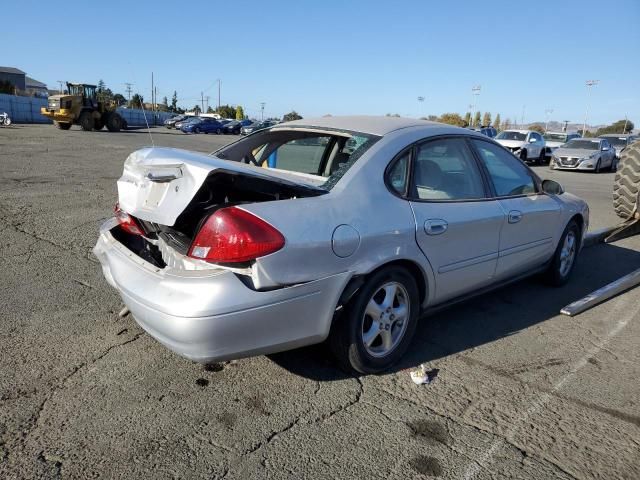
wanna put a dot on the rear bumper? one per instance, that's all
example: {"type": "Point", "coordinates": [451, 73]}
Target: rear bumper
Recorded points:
{"type": "Point", "coordinates": [211, 315]}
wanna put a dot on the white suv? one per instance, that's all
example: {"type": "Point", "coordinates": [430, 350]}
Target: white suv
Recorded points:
{"type": "Point", "coordinates": [526, 144]}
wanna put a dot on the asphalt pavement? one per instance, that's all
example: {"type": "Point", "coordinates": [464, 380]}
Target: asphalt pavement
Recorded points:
{"type": "Point", "coordinates": [520, 391]}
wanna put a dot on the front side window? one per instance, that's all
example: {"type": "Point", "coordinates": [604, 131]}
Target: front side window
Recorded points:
{"type": "Point", "coordinates": [445, 169]}
{"type": "Point", "coordinates": [508, 175]}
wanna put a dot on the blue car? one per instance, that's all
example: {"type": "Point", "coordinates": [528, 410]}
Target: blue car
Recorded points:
{"type": "Point", "coordinates": [203, 125]}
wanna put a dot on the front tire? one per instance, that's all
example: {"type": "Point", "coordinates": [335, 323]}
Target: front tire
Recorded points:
{"type": "Point", "coordinates": [597, 169]}
{"type": "Point", "coordinates": [541, 157]}
{"type": "Point", "coordinates": [63, 125]}
{"type": "Point", "coordinates": [564, 259]}
{"type": "Point", "coordinates": [218, 131]}
{"type": "Point", "coordinates": [86, 121]}
{"type": "Point", "coordinates": [114, 122]}
{"type": "Point", "coordinates": [378, 324]}
{"type": "Point", "coordinates": [523, 155]}
{"type": "Point", "coordinates": [196, 130]}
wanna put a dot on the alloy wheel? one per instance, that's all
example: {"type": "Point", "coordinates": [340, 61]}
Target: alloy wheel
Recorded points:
{"type": "Point", "coordinates": [385, 319]}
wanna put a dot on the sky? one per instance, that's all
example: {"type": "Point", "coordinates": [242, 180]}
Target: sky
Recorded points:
{"type": "Point", "coordinates": [344, 57]}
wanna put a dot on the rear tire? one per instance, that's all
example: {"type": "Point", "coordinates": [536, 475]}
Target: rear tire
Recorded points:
{"type": "Point", "coordinates": [63, 125]}
{"type": "Point", "coordinates": [565, 257]}
{"type": "Point", "coordinates": [376, 313]}
{"type": "Point", "coordinates": [86, 121]}
{"type": "Point", "coordinates": [114, 122]}
{"type": "Point", "coordinates": [626, 184]}
{"type": "Point", "coordinates": [196, 130]}
{"type": "Point", "coordinates": [98, 125]}
{"type": "Point", "coordinates": [218, 131]}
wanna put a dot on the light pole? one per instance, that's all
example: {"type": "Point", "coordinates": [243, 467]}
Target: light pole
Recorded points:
{"type": "Point", "coordinates": [420, 103]}
{"type": "Point", "coordinates": [262, 104]}
{"type": "Point", "coordinates": [522, 118]}
{"type": "Point", "coordinates": [566, 125]}
{"type": "Point", "coordinates": [547, 112]}
{"type": "Point", "coordinates": [219, 85]}
{"type": "Point", "coordinates": [589, 83]}
{"type": "Point", "coordinates": [475, 91]}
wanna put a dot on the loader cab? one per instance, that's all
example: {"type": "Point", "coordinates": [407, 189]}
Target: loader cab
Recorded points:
{"type": "Point", "coordinates": [86, 92]}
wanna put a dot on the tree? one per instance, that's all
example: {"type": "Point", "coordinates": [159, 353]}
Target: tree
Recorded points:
{"type": "Point", "coordinates": [496, 122]}
{"type": "Point", "coordinates": [537, 127]}
{"type": "Point", "coordinates": [226, 111]}
{"type": "Point", "coordinates": [196, 109]}
{"type": "Point", "coordinates": [174, 102]}
{"type": "Point", "coordinates": [452, 119]}
{"type": "Point", "coordinates": [119, 99]}
{"type": "Point", "coordinates": [292, 115]}
{"type": "Point", "coordinates": [486, 119]}
{"type": "Point", "coordinates": [432, 118]}
{"type": "Point", "coordinates": [101, 86]}
{"type": "Point", "coordinates": [392, 115]}
{"type": "Point", "coordinates": [136, 101]}
{"type": "Point", "coordinates": [165, 102]}
{"type": "Point", "coordinates": [621, 126]}
{"type": "Point", "coordinates": [239, 112]}
{"type": "Point", "coordinates": [506, 124]}
{"type": "Point", "coordinates": [210, 110]}
{"type": "Point", "coordinates": [476, 119]}
{"type": "Point", "coordinates": [467, 119]}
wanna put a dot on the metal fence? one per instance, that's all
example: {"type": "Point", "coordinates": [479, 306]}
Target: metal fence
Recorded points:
{"type": "Point", "coordinates": [23, 109]}
{"type": "Point", "coordinates": [136, 117]}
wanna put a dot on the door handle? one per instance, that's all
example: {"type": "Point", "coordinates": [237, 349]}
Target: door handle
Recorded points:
{"type": "Point", "coordinates": [435, 226]}
{"type": "Point", "coordinates": [515, 216]}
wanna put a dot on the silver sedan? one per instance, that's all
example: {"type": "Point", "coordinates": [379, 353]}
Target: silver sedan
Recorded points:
{"type": "Point", "coordinates": [342, 228]}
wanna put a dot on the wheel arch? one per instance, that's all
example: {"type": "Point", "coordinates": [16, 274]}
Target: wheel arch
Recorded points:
{"type": "Point", "coordinates": [413, 268]}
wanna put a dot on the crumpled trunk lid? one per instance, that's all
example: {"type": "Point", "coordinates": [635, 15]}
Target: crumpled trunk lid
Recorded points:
{"type": "Point", "coordinates": [158, 184]}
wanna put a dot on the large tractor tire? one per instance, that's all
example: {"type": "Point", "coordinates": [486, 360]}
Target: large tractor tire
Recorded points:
{"type": "Point", "coordinates": [114, 122]}
{"type": "Point", "coordinates": [86, 121]}
{"type": "Point", "coordinates": [62, 125]}
{"type": "Point", "coordinates": [98, 124]}
{"type": "Point", "coordinates": [626, 186]}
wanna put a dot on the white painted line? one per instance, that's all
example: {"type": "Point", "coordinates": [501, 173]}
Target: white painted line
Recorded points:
{"type": "Point", "coordinates": [621, 308]}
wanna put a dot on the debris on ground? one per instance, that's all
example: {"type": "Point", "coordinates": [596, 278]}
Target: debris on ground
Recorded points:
{"type": "Point", "coordinates": [421, 376]}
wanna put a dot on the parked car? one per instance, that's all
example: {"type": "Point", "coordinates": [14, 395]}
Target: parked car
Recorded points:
{"type": "Point", "coordinates": [593, 154]}
{"type": "Point", "coordinates": [232, 128]}
{"type": "Point", "coordinates": [620, 142]}
{"type": "Point", "coordinates": [254, 127]}
{"type": "Point", "coordinates": [554, 140]}
{"type": "Point", "coordinates": [203, 125]}
{"type": "Point", "coordinates": [171, 122]}
{"type": "Point", "coordinates": [485, 130]}
{"type": "Point", "coordinates": [526, 144]}
{"type": "Point", "coordinates": [180, 123]}
{"type": "Point", "coordinates": [219, 259]}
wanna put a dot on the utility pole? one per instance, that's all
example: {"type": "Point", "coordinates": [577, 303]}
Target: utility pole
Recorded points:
{"type": "Point", "coordinates": [60, 82]}
{"type": "Point", "coordinates": [420, 104]}
{"type": "Point", "coordinates": [589, 84]}
{"type": "Point", "coordinates": [624, 130]}
{"type": "Point", "coordinates": [153, 101]}
{"type": "Point", "coordinates": [219, 85]}
{"type": "Point", "coordinates": [522, 118]}
{"type": "Point", "coordinates": [262, 104]}
{"type": "Point", "coordinates": [207, 102]}
{"type": "Point", "coordinates": [202, 101]}
{"type": "Point", "coordinates": [547, 112]}
{"type": "Point", "coordinates": [128, 90]}
{"type": "Point", "coordinates": [566, 125]}
{"type": "Point", "coordinates": [475, 91]}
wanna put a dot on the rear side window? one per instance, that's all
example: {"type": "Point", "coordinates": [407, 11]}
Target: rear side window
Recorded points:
{"type": "Point", "coordinates": [397, 176]}
{"type": "Point", "coordinates": [508, 175]}
{"type": "Point", "coordinates": [445, 169]}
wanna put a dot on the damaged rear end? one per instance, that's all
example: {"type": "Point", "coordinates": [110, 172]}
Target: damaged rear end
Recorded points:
{"type": "Point", "coordinates": [182, 252]}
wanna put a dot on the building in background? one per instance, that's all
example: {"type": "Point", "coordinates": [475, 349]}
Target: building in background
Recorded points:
{"type": "Point", "coordinates": [15, 76]}
{"type": "Point", "coordinates": [35, 88]}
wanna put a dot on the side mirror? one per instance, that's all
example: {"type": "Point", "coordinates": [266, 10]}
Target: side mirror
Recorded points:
{"type": "Point", "coordinates": [604, 149]}
{"type": "Point", "coordinates": [532, 140]}
{"type": "Point", "coordinates": [552, 187]}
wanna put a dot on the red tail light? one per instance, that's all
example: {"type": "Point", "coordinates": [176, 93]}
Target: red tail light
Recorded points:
{"type": "Point", "coordinates": [127, 222]}
{"type": "Point", "coordinates": [233, 235]}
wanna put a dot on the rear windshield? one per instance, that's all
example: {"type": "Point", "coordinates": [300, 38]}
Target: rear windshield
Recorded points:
{"type": "Point", "coordinates": [511, 136]}
{"type": "Point", "coordinates": [617, 141]}
{"type": "Point", "coordinates": [555, 137]}
{"type": "Point", "coordinates": [323, 154]}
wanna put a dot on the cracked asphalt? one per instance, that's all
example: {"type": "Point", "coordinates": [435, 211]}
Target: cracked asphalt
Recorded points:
{"type": "Point", "coordinates": [521, 391]}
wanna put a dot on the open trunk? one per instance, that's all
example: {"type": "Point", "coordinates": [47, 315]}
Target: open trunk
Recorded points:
{"type": "Point", "coordinates": [172, 192]}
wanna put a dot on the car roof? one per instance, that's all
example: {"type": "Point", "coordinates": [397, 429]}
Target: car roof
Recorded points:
{"type": "Point", "coordinates": [374, 125]}
{"type": "Point", "coordinates": [520, 131]}
{"type": "Point", "coordinates": [617, 135]}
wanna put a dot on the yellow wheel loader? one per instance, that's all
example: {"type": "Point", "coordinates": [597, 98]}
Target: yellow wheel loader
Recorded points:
{"type": "Point", "coordinates": [80, 106]}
